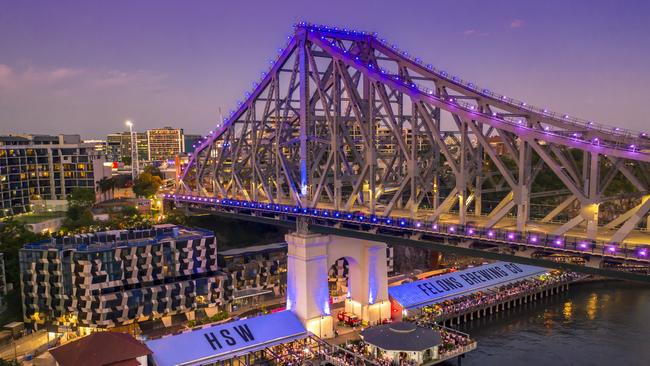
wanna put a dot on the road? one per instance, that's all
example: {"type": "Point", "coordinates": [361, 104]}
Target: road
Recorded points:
{"type": "Point", "coordinates": [24, 345]}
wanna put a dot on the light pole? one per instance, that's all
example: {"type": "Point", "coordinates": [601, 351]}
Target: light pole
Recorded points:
{"type": "Point", "coordinates": [134, 152]}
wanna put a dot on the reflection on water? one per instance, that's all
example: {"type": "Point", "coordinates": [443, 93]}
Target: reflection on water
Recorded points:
{"type": "Point", "coordinates": [592, 306]}
{"type": "Point", "coordinates": [567, 311]}
{"type": "Point", "coordinates": [593, 324]}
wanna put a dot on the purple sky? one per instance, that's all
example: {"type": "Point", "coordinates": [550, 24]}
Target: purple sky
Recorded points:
{"type": "Point", "coordinates": [86, 66]}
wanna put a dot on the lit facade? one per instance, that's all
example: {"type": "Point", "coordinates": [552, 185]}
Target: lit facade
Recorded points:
{"type": "Point", "coordinates": [118, 146]}
{"type": "Point", "coordinates": [115, 278]}
{"type": "Point", "coordinates": [40, 167]}
{"type": "Point", "coordinates": [165, 143]}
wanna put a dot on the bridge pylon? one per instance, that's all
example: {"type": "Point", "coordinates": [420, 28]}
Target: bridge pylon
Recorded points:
{"type": "Point", "coordinates": [309, 258]}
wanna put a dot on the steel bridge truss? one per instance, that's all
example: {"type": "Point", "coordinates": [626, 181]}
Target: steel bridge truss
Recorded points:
{"type": "Point", "coordinates": [345, 121]}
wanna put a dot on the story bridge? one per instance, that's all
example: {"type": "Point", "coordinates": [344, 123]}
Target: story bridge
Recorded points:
{"type": "Point", "coordinates": [347, 134]}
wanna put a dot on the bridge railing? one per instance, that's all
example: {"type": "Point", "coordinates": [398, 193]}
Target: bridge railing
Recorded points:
{"type": "Point", "coordinates": [564, 243]}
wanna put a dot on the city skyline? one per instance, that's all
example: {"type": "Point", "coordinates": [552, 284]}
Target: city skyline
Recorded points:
{"type": "Point", "coordinates": [176, 64]}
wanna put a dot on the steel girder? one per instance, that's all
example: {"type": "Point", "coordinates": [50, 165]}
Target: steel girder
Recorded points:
{"type": "Point", "coordinates": [343, 120]}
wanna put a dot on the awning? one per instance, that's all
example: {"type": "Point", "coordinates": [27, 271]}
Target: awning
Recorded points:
{"type": "Point", "coordinates": [224, 341]}
{"type": "Point", "coordinates": [452, 285]}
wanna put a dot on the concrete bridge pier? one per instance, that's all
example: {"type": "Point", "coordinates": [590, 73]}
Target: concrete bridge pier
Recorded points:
{"type": "Point", "coordinates": [309, 259]}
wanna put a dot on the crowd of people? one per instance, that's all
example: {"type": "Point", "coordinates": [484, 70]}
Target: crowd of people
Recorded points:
{"type": "Point", "coordinates": [359, 348]}
{"type": "Point", "coordinates": [292, 354]}
{"type": "Point", "coordinates": [489, 297]}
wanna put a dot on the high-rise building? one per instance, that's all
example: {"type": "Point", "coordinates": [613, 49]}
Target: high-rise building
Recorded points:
{"type": "Point", "coordinates": [118, 146]}
{"type": "Point", "coordinates": [190, 141]}
{"type": "Point", "coordinates": [165, 143]}
{"type": "Point", "coordinates": [113, 278]}
{"type": "Point", "coordinates": [98, 145]}
{"type": "Point", "coordinates": [42, 167]}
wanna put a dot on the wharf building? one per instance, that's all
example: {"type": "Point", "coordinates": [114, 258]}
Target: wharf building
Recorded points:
{"type": "Point", "coordinates": [42, 170]}
{"type": "Point", "coordinates": [116, 278]}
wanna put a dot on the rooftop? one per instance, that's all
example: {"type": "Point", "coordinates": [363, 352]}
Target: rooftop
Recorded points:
{"type": "Point", "coordinates": [105, 240]}
{"type": "Point", "coordinates": [100, 349]}
{"type": "Point", "coordinates": [214, 343]}
{"type": "Point", "coordinates": [402, 336]}
{"type": "Point", "coordinates": [455, 284]}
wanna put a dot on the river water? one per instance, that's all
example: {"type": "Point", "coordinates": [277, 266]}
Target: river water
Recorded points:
{"type": "Point", "coordinates": [598, 323]}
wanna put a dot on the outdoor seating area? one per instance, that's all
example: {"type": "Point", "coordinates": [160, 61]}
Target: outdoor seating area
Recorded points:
{"type": "Point", "coordinates": [494, 295]}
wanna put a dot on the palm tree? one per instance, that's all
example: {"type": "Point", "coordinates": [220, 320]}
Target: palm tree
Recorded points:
{"type": "Point", "coordinates": [104, 185]}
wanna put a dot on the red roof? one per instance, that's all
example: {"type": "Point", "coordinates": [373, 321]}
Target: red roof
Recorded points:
{"type": "Point", "coordinates": [100, 349]}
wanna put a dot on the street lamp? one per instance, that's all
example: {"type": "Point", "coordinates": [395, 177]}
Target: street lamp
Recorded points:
{"type": "Point", "coordinates": [134, 152]}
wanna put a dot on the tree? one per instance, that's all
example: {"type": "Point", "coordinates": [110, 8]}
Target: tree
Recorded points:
{"type": "Point", "coordinates": [146, 185]}
{"type": "Point", "coordinates": [129, 211]}
{"type": "Point", "coordinates": [153, 170]}
{"type": "Point", "coordinates": [81, 197]}
{"type": "Point", "coordinates": [4, 362]}
{"type": "Point", "coordinates": [105, 185]}
{"type": "Point", "coordinates": [13, 235]}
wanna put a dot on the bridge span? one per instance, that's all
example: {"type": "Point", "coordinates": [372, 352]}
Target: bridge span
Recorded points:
{"type": "Point", "coordinates": [345, 123]}
{"type": "Point", "coordinates": [565, 252]}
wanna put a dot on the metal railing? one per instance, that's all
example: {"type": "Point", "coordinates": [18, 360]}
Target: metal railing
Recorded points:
{"type": "Point", "coordinates": [534, 240]}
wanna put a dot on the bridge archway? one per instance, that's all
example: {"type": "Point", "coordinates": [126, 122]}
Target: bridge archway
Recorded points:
{"type": "Point", "coordinates": [309, 258]}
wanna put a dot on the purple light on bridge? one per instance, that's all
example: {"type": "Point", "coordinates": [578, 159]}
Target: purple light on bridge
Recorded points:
{"type": "Point", "coordinates": [490, 234]}
{"type": "Point", "coordinates": [434, 227]}
{"type": "Point", "coordinates": [418, 224]}
{"type": "Point", "coordinates": [643, 252]}
{"type": "Point", "coordinates": [452, 229]}
{"type": "Point", "coordinates": [471, 231]}
{"type": "Point", "coordinates": [533, 239]}
{"type": "Point", "coordinates": [582, 245]}
{"type": "Point", "coordinates": [558, 242]}
{"type": "Point", "coordinates": [611, 249]}
{"type": "Point", "coordinates": [511, 236]}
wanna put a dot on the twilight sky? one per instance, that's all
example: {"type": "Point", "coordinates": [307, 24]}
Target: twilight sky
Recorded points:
{"type": "Point", "coordinates": [85, 66]}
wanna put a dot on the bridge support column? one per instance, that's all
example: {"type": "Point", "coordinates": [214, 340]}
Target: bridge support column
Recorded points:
{"type": "Point", "coordinates": [309, 258]}
{"type": "Point", "coordinates": [307, 291]}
